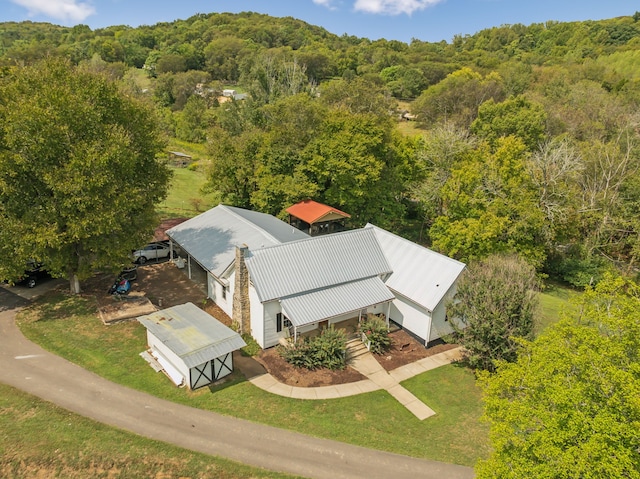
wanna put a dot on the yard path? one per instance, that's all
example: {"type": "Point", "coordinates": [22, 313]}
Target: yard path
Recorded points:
{"type": "Point", "coordinates": [363, 362]}
{"type": "Point", "coordinates": [28, 367]}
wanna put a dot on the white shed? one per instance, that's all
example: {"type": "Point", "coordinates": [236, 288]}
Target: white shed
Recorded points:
{"type": "Point", "coordinates": [193, 347]}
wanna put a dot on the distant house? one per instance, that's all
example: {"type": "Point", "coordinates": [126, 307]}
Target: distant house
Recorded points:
{"type": "Point", "coordinates": [276, 282]}
{"type": "Point", "coordinates": [191, 346]}
{"type": "Point", "coordinates": [229, 93]}
{"type": "Point", "coordinates": [316, 218]}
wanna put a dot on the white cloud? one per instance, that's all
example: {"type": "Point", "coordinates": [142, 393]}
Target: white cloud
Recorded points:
{"type": "Point", "coordinates": [392, 7]}
{"type": "Point", "coordinates": [325, 3]}
{"type": "Point", "coordinates": [73, 10]}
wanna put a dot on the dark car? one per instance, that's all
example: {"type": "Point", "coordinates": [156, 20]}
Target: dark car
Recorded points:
{"type": "Point", "coordinates": [33, 274]}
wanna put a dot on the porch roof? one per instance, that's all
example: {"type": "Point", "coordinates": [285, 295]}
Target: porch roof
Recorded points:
{"type": "Point", "coordinates": [314, 306]}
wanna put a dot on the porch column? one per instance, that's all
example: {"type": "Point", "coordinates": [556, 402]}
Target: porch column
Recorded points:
{"type": "Point", "coordinates": [189, 265]}
{"type": "Point", "coordinates": [388, 312]}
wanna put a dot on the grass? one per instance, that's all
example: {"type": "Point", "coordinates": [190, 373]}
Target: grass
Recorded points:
{"type": "Point", "coordinates": [42, 440]}
{"type": "Point", "coordinates": [555, 300]}
{"type": "Point", "coordinates": [185, 198]}
{"type": "Point", "coordinates": [373, 420]}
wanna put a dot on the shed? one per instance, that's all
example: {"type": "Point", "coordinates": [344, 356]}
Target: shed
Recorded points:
{"type": "Point", "coordinates": [179, 159]}
{"type": "Point", "coordinates": [316, 218]}
{"type": "Point", "coordinates": [192, 347]}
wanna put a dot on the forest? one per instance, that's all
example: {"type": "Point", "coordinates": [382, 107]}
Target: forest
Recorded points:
{"type": "Point", "coordinates": [513, 139]}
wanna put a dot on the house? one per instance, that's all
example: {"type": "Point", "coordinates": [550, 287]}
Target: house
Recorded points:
{"type": "Point", "coordinates": [316, 218]}
{"type": "Point", "coordinates": [190, 345]}
{"type": "Point", "coordinates": [276, 282]}
{"type": "Point", "coordinates": [308, 285]}
{"type": "Point", "coordinates": [209, 242]}
{"type": "Point", "coordinates": [422, 282]}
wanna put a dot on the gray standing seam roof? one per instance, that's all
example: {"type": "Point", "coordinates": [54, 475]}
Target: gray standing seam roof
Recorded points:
{"type": "Point", "coordinates": [211, 237]}
{"type": "Point", "coordinates": [419, 273]}
{"type": "Point", "coordinates": [308, 308]}
{"type": "Point", "coordinates": [315, 263]}
{"type": "Point", "coordinates": [192, 334]}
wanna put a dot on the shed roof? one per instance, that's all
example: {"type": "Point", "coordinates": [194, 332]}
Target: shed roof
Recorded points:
{"type": "Point", "coordinates": [311, 211]}
{"type": "Point", "coordinates": [192, 334]}
{"type": "Point", "coordinates": [315, 263]}
{"type": "Point", "coordinates": [211, 237]}
{"type": "Point", "coordinates": [308, 308]}
{"type": "Point", "coordinates": [419, 273]}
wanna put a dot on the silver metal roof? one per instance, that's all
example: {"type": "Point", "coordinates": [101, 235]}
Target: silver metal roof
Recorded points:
{"type": "Point", "coordinates": [327, 303]}
{"type": "Point", "coordinates": [192, 334]}
{"type": "Point", "coordinates": [419, 273]}
{"type": "Point", "coordinates": [211, 238]}
{"type": "Point", "coordinates": [315, 263]}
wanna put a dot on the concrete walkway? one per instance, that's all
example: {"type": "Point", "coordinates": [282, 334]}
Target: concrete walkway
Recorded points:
{"type": "Point", "coordinates": [363, 362]}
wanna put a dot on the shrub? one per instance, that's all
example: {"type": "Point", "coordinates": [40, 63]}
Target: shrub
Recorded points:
{"type": "Point", "coordinates": [252, 348]}
{"type": "Point", "coordinates": [324, 351]}
{"type": "Point", "coordinates": [375, 328]}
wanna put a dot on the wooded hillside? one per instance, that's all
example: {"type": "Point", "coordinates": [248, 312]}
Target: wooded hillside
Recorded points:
{"type": "Point", "coordinates": [525, 138]}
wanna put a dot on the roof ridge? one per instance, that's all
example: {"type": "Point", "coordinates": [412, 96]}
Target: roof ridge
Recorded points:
{"type": "Point", "coordinates": [372, 226]}
{"type": "Point", "coordinates": [316, 238]}
{"type": "Point", "coordinates": [267, 235]}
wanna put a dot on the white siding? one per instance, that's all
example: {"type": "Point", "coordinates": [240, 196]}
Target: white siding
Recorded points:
{"type": "Point", "coordinates": [160, 348]}
{"type": "Point", "coordinates": [411, 317]}
{"type": "Point", "coordinates": [271, 336]}
{"type": "Point", "coordinates": [440, 326]}
{"type": "Point", "coordinates": [256, 310]}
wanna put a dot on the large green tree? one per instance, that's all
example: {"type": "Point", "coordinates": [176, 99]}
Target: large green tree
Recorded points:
{"type": "Point", "coordinates": [494, 307]}
{"type": "Point", "coordinates": [79, 176]}
{"type": "Point", "coordinates": [570, 406]}
{"type": "Point", "coordinates": [490, 206]}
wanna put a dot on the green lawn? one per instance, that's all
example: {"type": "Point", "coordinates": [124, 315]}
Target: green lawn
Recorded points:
{"type": "Point", "coordinates": [372, 420]}
{"type": "Point", "coordinates": [39, 439]}
{"type": "Point", "coordinates": [554, 301]}
{"type": "Point", "coordinates": [185, 198]}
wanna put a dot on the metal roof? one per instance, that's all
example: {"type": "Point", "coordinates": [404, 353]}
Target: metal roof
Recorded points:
{"type": "Point", "coordinates": [308, 308]}
{"type": "Point", "coordinates": [419, 273]}
{"type": "Point", "coordinates": [311, 211]}
{"type": "Point", "coordinates": [211, 238]}
{"type": "Point", "coordinates": [315, 263]}
{"type": "Point", "coordinates": [192, 334]}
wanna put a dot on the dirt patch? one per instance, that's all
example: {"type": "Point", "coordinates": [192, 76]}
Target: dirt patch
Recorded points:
{"type": "Point", "coordinates": [160, 286]}
{"type": "Point", "coordinates": [286, 373]}
{"type": "Point", "coordinates": [406, 349]}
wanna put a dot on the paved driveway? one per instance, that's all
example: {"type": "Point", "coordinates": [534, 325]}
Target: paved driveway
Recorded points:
{"type": "Point", "coordinates": [28, 367]}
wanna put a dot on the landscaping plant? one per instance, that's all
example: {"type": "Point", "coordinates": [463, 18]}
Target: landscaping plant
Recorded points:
{"type": "Point", "coordinates": [376, 330]}
{"type": "Point", "coordinates": [324, 351]}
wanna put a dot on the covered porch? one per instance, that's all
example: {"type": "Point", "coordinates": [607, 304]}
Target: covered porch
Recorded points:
{"type": "Point", "coordinates": [343, 307]}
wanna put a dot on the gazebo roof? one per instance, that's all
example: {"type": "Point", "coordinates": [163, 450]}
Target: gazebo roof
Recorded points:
{"type": "Point", "coordinates": [312, 212]}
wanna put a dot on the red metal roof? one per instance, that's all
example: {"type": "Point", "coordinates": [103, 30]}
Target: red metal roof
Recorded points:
{"type": "Point", "coordinates": [311, 211]}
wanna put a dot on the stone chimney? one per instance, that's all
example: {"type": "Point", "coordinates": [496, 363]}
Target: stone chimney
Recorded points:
{"type": "Point", "coordinates": [241, 313]}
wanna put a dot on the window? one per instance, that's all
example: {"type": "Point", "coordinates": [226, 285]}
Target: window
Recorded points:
{"type": "Point", "coordinates": [282, 322]}
{"type": "Point", "coordinates": [224, 292]}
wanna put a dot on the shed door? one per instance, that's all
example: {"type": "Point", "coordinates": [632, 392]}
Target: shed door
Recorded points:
{"type": "Point", "coordinates": [201, 376]}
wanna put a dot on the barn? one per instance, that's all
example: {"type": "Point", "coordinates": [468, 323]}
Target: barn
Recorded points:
{"type": "Point", "coordinates": [189, 345]}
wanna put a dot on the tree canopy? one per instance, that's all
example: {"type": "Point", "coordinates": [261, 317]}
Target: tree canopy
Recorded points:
{"type": "Point", "coordinates": [570, 405]}
{"type": "Point", "coordinates": [79, 176]}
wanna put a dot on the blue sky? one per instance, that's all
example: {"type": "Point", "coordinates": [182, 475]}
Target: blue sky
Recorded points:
{"type": "Point", "coordinates": [428, 20]}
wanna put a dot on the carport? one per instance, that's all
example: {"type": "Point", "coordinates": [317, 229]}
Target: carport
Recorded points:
{"type": "Point", "coordinates": [189, 345]}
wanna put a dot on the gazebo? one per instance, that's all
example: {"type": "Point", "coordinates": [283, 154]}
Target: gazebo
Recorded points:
{"type": "Point", "coordinates": [316, 218]}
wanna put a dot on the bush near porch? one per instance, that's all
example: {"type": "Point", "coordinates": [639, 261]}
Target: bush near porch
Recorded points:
{"type": "Point", "coordinates": [376, 331]}
{"type": "Point", "coordinates": [328, 350]}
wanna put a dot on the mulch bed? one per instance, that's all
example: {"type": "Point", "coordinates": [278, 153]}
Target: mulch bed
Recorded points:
{"type": "Point", "coordinates": [404, 350]}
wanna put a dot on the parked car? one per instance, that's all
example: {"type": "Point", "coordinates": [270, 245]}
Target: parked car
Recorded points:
{"type": "Point", "coordinates": [33, 274]}
{"type": "Point", "coordinates": [152, 251]}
